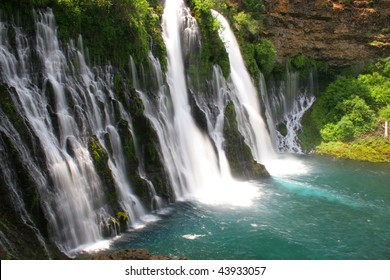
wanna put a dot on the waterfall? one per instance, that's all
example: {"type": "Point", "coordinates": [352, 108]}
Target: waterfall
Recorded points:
{"type": "Point", "coordinates": [195, 169]}
{"type": "Point", "coordinates": [245, 98]}
{"type": "Point", "coordinates": [285, 106]}
{"type": "Point", "coordinates": [213, 106]}
{"type": "Point", "coordinates": [193, 154]}
{"type": "Point", "coordinates": [10, 179]}
{"type": "Point", "coordinates": [71, 211]}
{"type": "Point", "coordinates": [64, 105]}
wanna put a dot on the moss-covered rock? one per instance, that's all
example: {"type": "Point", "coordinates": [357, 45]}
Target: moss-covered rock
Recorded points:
{"type": "Point", "coordinates": [149, 149]}
{"type": "Point", "coordinates": [212, 50]}
{"type": "Point", "coordinates": [23, 193]}
{"type": "Point", "coordinates": [238, 153]}
{"type": "Point", "coordinates": [100, 160]}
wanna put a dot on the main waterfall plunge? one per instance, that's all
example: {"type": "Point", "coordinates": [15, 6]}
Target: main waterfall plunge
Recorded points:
{"type": "Point", "coordinates": [72, 134]}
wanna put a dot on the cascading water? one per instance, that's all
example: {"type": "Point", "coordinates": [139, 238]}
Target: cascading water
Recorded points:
{"type": "Point", "coordinates": [286, 106]}
{"type": "Point", "coordinates": [245, 98]}
{"type": "Point", "coordinates": [71, 104]}
{"type": "Point", "coordinates": [194, 168]}
{"type": "Point", "coordinates": [213, 106]}
{"type": "Point", "coordinates": [71, 213]}
{"type": "Point", "coordinates": [117, 163]}
{"type": "Point", "coordinates": [9, 176]}
{"type": "Point", "coordinates": [194, 154]}
{"type": "Point", "coordinates": [249, 116]}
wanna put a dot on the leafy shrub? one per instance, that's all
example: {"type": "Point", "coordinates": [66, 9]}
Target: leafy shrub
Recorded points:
{"type": "Point", "coordinates": [342, 131]}
{"type": "Point", "coordinates": [265, 54]}
{"type": "Point", "coordinates": [379, 87]}
{"type": "Point", "coordinates": [244, 22]}
{"type": "Point", "coordinates": [112, 29]}
{"type": "Point", "coordinates": [357, 119]}
{"type": "Point", "coordinates": [360, 114]}
{"type": "Point", "coordinates": [384, 114]}
{"type": "Point", "coordinates": [337, 92]}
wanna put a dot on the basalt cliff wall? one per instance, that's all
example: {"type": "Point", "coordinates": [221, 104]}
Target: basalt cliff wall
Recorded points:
{"type": "Point", "coordinates": [339, 34]}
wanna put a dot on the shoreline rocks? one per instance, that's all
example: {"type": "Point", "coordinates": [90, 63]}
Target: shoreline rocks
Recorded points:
{"type": "Point", "coordinates": [132, 254]}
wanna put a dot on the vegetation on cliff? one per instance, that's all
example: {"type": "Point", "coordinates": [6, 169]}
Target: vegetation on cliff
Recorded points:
{"type": "Point", "coordinates": [246, 19]}
{"type": "Point", "coordinates": [112, 30]}
{"type": "Point", "coordinates": [349, 117]}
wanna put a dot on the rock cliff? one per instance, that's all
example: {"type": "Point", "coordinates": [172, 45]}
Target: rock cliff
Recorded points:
{"type": "Point", "coordinates": [339, 34]}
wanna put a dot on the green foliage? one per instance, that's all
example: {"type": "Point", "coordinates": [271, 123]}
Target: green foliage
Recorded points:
{"type": "Point", "coordinates": [265, 55]}
{"type": "Point", "coordinates": [337, 92]}
{"type": "Point", "coordinates": [371, 149]}
{"type": "Point", "coordinates": [357, 119]}
{"type": "Point", "coordinates": [360, 114]}
{"type": "Point", "coordinates": [244, 22]}
{"type": "Point", "coordinates": [386, 67]}
{"type": "Point", "coordinates": [299, 62]}
{"type": "Point", "coordinates": [305, 66]}
{"type": "Point", "coordinates": [112, 29]}
{"type": "Point", "coordinates": [347, 115]}
{"type": "Point", "coordinates": [246, 19]}
{"type": "Point", "coordinates": [256, 7]}
{"type": "Point", "coordinates": [384, 114]}
{"type": "Point", "coordinates": [212, 50]}
{"type": "Point", "coordinates": [122, 217]}
{"type": "Point", "coordinates": [259, 57]}
{"type": "Point", "coordinates": [203, 6]}
{"type": "Point", "coordinates": [379, 87]}
{"type": "Point", "coordinates": [342, 131]}
{"type": "Point", "coordinates": [248, 54]}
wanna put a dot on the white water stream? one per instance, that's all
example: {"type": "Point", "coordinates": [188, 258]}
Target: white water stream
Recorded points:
{"type": "Point", "coordinates": [246, 98]}
{"type": "Point", "coordinates": [195, 169]}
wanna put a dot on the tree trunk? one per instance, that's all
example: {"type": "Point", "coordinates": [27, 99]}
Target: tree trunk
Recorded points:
{"type": "Point", "coordinates": [386, 129]}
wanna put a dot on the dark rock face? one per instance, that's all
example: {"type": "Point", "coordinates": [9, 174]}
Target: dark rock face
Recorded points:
{"type": "Point", "coordinates": [238, 152]}
{"type": "Point", "coordinates": [341, 35]}
{"type": "Point", "coordinates": [132, 254]}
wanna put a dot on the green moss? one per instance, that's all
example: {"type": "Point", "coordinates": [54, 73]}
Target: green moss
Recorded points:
{"type": "Point", "coordinates": [128, 144]}
{"type": "Point", "coordinates": [371, 149]}
{"type": "Point", "coordinates": [122, 216]}
{"type": "Point", "coordinates": [237, 151]}
{"type": "Point", "coordinates": [112, 30]}
{"type": "Point", "coordinates": [310, 136]}
{"type": "Point", "coordinates": [100, 161]}
{"type": "Point", "coordinates": [212, 51]}
{"type": "Point", "coordinates": [147, 144]}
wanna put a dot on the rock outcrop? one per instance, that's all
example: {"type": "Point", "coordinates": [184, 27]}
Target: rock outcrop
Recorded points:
{"type": "Point", "coordinates": [339, 34]}
{"type": "Point", "coordinates": [132, 254]}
